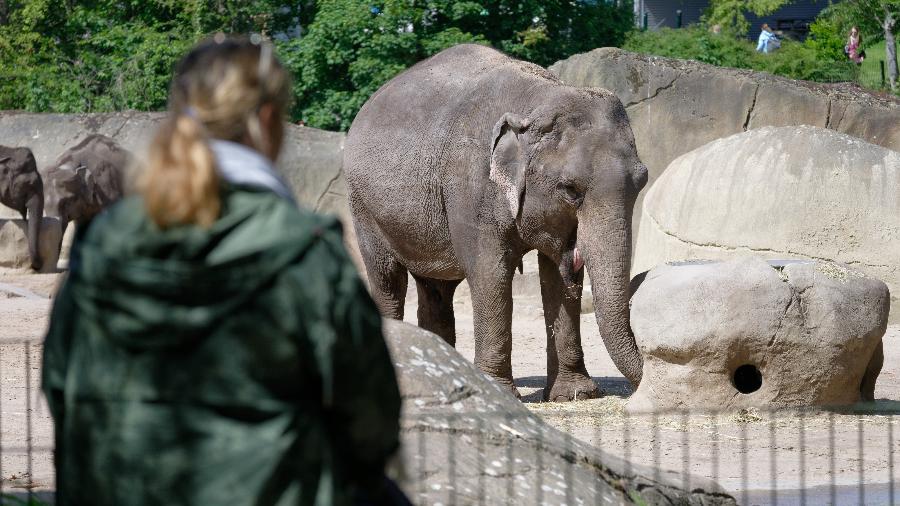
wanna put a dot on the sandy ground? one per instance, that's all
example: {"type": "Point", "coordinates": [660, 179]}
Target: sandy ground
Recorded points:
{"type": "Point", "coordinates": [761, 458]}
{"type": "Point", "coordinates": [782, 457]}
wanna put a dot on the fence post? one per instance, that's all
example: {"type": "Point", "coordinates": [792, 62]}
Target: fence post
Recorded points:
{"type": "Point", "coordinates": [678, 18]}
{"type": "Point", "coordinates": [644, 22]}
{"type": "Point", "coordinates": [883, 80]}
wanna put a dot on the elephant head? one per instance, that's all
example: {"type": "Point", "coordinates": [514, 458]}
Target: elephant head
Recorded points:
{"type": "Point", "coordinates": [569, 174]}
{"type": "Point", "coordinates": [85, 179]}
{"type": "Point", "coordinates": [22, 189]}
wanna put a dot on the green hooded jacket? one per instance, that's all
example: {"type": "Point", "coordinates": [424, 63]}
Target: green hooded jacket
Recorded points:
{"type": "Point", "coordinates": [242, 364]}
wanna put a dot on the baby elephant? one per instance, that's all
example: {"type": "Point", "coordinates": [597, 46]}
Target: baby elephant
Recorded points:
{"type": "Point", "coordinates": [21, 189]}
{"type": "Point", "coordinates": [85, 179]}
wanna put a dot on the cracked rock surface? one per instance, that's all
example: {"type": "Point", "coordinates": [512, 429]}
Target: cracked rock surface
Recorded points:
{"type": "Point", "coordinates": [750, 333]}
{"type": "Point", "coordinates": [676, 106]}
{"type": "Point", "coordinates": [786, 192]}
{"type": "Point", "coordinates": [465, 440]}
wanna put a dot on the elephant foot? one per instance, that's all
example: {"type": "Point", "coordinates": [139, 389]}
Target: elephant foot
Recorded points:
{"type": "Point", "coordinates": [571, 387]}
{"type": "Point", "coordinates": [508, 384]}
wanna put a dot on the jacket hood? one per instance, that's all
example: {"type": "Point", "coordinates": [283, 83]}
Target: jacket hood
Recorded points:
{"type": "Point", "coordinates": [152, 288]}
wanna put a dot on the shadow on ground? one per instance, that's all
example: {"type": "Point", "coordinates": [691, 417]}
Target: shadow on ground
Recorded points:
{"type": "Point", "coordinates": [609, 385]}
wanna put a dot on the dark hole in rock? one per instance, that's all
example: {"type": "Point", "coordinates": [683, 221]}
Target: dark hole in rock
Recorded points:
{"type": "Point", "coordinates": [747, 379]}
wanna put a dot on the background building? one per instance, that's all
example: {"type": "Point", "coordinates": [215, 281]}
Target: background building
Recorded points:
{"type": "Point", "coordinates": [791, 20]}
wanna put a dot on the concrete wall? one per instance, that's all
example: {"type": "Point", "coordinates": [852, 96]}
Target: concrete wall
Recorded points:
{"type": "Point", "coordinates": [310, 161]}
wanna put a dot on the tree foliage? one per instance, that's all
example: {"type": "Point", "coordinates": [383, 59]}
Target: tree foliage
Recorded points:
{"type": "Point", "coordinates": [354, 46]}
{"type": "Point", "coordinates": [877, 20]}
{"type": "Point", "coordinates": [105, 55]}
{"type": "Point", "coordinates": [819, 58]}
{"type": "Point", "coordinates": [731, 14]}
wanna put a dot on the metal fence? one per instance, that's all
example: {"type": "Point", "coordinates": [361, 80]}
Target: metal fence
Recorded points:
{"type": "Point", "coordinates": [759, 456]}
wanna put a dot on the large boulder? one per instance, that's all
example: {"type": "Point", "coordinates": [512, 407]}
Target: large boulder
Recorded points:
{"type": "Point", "coordinates": [676, 106]}
{"type": "Point", "coordinates": [778, 192]}
{"type": "Point", "coordinates": [465, 440]}
{"type": "Point", "coordinates": [748, 333]}
{"type": "Point", "coordinates": [14, 243]}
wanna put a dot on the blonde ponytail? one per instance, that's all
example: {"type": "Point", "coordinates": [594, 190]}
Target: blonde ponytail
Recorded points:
{"type": "Point", "coordinates": [218, 91]}
{"type": "Point", "coordinates": [181, 184]}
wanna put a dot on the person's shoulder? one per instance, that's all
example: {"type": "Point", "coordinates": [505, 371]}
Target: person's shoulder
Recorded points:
{"type": "Point", "coordinates": [271, 211]}
{"type": "Point", "coordinates": [125, 217]}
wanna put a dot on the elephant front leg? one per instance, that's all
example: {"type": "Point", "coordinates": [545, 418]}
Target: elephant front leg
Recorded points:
{"type": "Point", "coordinates": [492, 314]}
{"type": "Point", "coordinates": [567, 376]}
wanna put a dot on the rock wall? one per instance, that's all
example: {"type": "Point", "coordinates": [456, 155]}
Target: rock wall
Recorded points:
{"type": "Point", "coordinates": [310, 160]}
{"type": "Point", "coordinates": [786, 192]}
{"type": "Point", "coordinates": [676, 106]}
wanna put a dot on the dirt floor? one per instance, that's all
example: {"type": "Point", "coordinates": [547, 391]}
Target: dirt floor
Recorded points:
{"type": "Point", "coordinates": [761, 458]}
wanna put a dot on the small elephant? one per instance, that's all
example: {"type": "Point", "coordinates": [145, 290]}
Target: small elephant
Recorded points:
{"type": "Point", "coordinates": [22, 189]}
{"type": "Point", "coordinates": [85, 179]}
{"type": "Point", "coordinates": [462, 164]}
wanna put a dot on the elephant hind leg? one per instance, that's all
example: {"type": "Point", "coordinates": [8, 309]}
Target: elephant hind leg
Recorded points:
{"type": "Point", "coordinates": [436, 307]}
{"type": "Point", "coordinates": [387, 276]}
{"type": "Point", "coordinates": [867, 387]}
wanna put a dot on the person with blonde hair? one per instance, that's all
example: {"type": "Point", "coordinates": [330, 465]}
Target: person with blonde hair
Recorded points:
{"type": "Point", "coordinates": [213, 343]}
{"type": "Point", "coordinates": [852, 49]}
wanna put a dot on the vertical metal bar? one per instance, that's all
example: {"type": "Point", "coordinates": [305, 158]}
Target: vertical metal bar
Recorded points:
{"type": "Point", "coordinates": [626, 444]}
{"type": "Point", "coordinates": [539, 449]}
{"type": "Point", "coordinates": [745, 498]}
{"type": "Point", "coordinates": [421, 454]}
{"type": "Point", "coordinates": [510, 471]}
{"type": "Point", "coordinates": [883, 77]}
{"type": "Point", "coordinates": [1, 421]}
{"type": "Point", "coordinates": [645, 23]}
{"type": "Point", "coordinates": [28, 418]}
{"type": "Point", "coordinates": [890, 447]}
{"type": "Point", "coordinates": [802, 445]}
{"type": "Point", "coordinates": [773, 456]}
{"type": "Point", "coordinates": [678, 15]}
{"type": "Point", "coordinates": [451, 459]}
{"type": "Point", "coordinates": [685, 451]}
{"type": "Point", "coordinates": [715, 448]}
{"type": "Point", "coordinates": [860, 441]}
{"type": "Point", "coordinates": [831, 464]}
{"type": "Point", "coordinates": [569, 450]}
{"type": "Point", "coordinates": [656, 448]}
{"type": "Point", "coordinates": [479, 459]}
{"type": "Point", "coordinates": [598, 438]}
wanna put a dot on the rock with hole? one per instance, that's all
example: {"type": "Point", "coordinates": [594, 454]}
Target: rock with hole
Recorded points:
{"type": "Point", "coordinates": [752, 333]}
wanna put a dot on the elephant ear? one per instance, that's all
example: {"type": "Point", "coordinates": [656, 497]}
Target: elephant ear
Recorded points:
{"type": "Point", "coordinates": [508, 159]}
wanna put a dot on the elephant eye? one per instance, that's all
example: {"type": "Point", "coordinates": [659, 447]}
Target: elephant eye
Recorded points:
{"type": "Point", "coordinates": [571, 194]}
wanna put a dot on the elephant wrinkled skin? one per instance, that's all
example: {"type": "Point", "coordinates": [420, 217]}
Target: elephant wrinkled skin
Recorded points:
{"type": "Point", "coordinates": [462, 164]}
{"type": "Point", "coordinates": [22, 189]}
{"type": "Point", "coordinates": [85, 179]}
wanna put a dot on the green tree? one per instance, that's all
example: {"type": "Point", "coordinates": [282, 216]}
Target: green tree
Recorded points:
{"type": "Point", "coordinates": [877, 20]}
{"type": "Point", "coordinates": [105, 55]}
{"type": "Point", "coordinates": [731, 14]}
{"type": "Point", "coordinates": [352, 47]}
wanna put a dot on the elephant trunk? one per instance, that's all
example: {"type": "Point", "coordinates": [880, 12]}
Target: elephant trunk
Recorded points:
{"type": "Point", "coordinates": [35, 208]}
{"type": "Point", "coordinates": [604, 238]}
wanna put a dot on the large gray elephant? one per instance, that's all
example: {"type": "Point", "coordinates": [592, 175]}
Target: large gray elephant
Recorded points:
{"type": "Point", "coordinates": [85, 179]}
{"type": "Point", "coordinates": [22, 189]}
{"type": "Point", "coordinates": [462, 164]}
